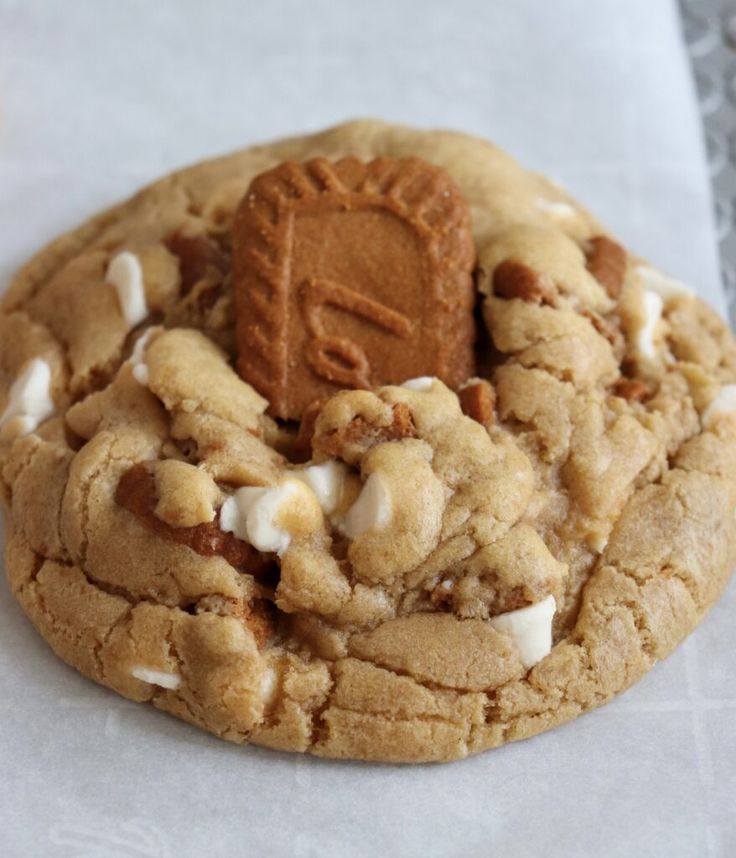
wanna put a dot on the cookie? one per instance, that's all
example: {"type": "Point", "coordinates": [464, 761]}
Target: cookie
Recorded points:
{"type": "Point", "coordinates": [351, 275]}
{"type": "Point", "coordinates": [368, 444]}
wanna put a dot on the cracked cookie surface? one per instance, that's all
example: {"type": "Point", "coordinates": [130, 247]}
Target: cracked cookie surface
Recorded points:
{"type": "Point", "coordinates": [413, 573]}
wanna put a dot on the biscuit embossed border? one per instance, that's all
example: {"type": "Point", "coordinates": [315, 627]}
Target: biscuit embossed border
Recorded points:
{"type": "Point", "coordinates": [294, 308]}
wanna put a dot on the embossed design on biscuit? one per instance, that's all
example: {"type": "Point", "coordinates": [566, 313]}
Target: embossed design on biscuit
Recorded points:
{"type": "Point", "coordinates": [351, 275]}
{"type": "Point", "coordinates": [337, 358]}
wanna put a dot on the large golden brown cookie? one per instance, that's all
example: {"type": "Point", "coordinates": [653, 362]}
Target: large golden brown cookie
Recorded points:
{"type": "Point", "coordinates": [419, 570]}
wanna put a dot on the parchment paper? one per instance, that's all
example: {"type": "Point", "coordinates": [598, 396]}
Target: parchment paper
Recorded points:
{"type": "Point", "coordinates": [100, 97]}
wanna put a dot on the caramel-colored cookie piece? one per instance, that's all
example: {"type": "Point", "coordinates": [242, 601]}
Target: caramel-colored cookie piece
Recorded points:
{"type": "Point", "coordinates": [631, 389]}
{"type": "Point", "coordinates": [360, 434]}
{"type": "Point", "coordinates": [607, 263]}
{"type": "Point", "coordinates": [608, 329]}
{"type": "Point", "coordinates": [302, 450]}
{"type": "Point", "coordinates": [477, 400]}
{"type": "Point", "coordinates": [351, 275]}
{"type": "Point", "coordinates": [199, 256]}
{"type": "Point", "coordinates": [136, 492]}
{"type": "Point", "coordinates": [515, 280]}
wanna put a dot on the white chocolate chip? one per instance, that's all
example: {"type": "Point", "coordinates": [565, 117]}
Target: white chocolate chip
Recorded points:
{"type": "Point", "coordinates": [653, 305]}
{"type": "Point", "coordinates": [262, 507]}
{"type": "Point", "coordinates": [597, 542]}
{"type": "Point", "coordinates": [156, 677]}
{"type": "Point", "coordinates": [380, 598]}
{"type": "Point", "coordinates": [666, 287]}
{"type": "Point", "coordinates": [722, 404]}
{"type": "Point", "coordinates": [371, 511]}
{"type": "Point", "coordinates": [141, 374]}
{"type": "Point", "coordinates": [556, 209]}
{"type": "Point", "coordinates": [422, 383]}
{"type": "Point", "coordinates": [19, 426]}
{"type": "Point", "coordinates": [231, 520]}
{"type": "Point", "coordinates": [531, 628]}
{"type": "Point", "coordinates": [268, 684]}
{"type": "Point", "coordinates": [29, 398]}
{"type": "Point", "coordinates": [125, 273]}
{"type": "Point", "coordinates": [253, 514]}
{"type": "Point", "coordinates": [327, 481]}
{"type": "Point", "coordinates": [137, 356]}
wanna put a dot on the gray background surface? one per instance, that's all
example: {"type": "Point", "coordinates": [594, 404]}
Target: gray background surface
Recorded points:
{"type": "Point", "coordinates": [709, 27]}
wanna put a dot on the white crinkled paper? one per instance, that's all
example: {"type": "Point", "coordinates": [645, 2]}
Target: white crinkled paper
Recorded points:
{"type": "Point", "coordinates": [98, 98]}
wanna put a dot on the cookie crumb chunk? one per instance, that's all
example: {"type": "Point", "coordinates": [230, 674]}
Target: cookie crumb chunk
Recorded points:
{"type": "Point", "coordinates": [531, 629]}
{"type": "Point", "coordinates": [187, 495]}
{"type": "Point", "coordinates": [347, 430]}
{"type": "Point", "coordinates": [29, 400]}
{"type": "Point", "coordinates": [190, 374]}
{"type": "Point", "coordinates": [396, 521]}
{"type": "Point", "coordinates": [156, 677]}
{"type": "Point", "coordinates": [256, 614]}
